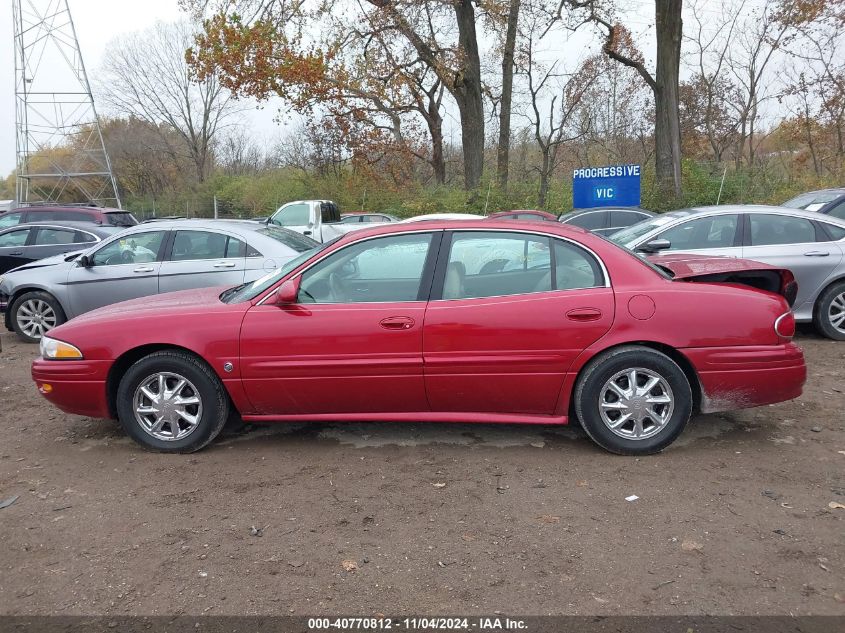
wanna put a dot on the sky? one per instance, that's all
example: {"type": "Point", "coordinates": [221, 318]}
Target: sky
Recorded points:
{"type": "Point", "coordinates": [97, 22]}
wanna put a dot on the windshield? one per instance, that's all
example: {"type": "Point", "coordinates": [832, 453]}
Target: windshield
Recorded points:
{"type": "Point", "coordinates": [298, 242]}
{"type": "Point", "coordinates": [813, 201]}
{"type": "Point", "coordinates": [248, 291]}
{"type": "Point", "coordinates": [632, 233]}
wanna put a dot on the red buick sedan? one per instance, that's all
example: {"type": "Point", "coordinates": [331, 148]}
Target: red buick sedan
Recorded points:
{"type": "Point", "coordinates": [470, 321]}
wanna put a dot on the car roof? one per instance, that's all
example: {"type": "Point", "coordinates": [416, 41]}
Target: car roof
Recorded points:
{"type": "Point", "coordinates": [199, 224]}
{"type": "Point", "coordinates": [481, 224]}
{"type": "Point", "coordinates": [575, 212]}
{"type": "Point", "coordinates": [840, 190]}
{"type": "Point", "coordinates": [97, 229]}
{"type": "Point", "coordinates": [748, 208]}
{"type": "Point", "coordinates": [69, 207]}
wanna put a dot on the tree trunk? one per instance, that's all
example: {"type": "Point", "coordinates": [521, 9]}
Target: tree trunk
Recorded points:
{"type": "Point", "coordinates": [438, 161]}
{"type": "Point", "coordinates": [667, 126]}
{"type": "Point", "coordinates": [468, 94]}
{"type": "Point", "coordinates": [545, 176]}
{"type": "Point", "coordinates": [503, 152]}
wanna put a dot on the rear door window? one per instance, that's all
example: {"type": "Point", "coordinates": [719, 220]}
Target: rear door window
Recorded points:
{"type": "Point", "coordinates": [191, 245]}
{"type": "Point", "coordinates": [47, 237]}
{"type": "Point", "coordinates": [495, 264]}
{"type": "Point", "coordinates": [780, 229]}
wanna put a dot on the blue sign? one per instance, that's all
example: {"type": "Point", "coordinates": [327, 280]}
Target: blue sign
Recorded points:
{"type": "Point", "coordinates": [611, 186]}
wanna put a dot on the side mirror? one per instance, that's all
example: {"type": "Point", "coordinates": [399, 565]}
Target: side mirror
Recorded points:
{"type": "Point", "coordinates": [85, 261]}
{"type": "Point", "coordinates": [287, 292]}
{"type": "Point", "coordinates": [655, 246]}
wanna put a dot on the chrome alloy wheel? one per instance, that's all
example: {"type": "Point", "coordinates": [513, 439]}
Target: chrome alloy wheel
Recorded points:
{"type": "Point", "coordinates": [636, 403]}
{"type": "Point", "coordinates": [35, 318]}
{"type": "Point", "coordinates": [836, 312]}
{"type": "Point", "coordinates": [167, 406]}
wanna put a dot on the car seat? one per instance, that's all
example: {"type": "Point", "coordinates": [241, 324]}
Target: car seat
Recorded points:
{"type": "Point", "coordinates": [453, 285]}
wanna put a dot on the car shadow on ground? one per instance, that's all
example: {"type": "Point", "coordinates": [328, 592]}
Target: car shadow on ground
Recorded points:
{"type": "Point", "coordinates": [702, 431]}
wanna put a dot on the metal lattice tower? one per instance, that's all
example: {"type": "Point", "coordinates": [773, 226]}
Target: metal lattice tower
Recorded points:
{"type": "Point", "coordinates": [60, 152]}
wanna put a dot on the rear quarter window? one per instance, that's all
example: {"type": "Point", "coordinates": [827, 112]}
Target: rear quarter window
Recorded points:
{"type": "Point", "coordinates": [836, 232]}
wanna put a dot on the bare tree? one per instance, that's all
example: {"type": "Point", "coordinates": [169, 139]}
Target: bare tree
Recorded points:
{"type": "Point", "coordinates": [145, 75]}
{"type": "Point", "coordinates": [751, 52]}
{"type": "Point", "coordinates": [710, 90]}
{"type": "Point", "coordinates": [554, 102]}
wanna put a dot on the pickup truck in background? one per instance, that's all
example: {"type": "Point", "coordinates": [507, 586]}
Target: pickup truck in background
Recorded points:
{"type": "Point", "coordinates": [318, 219]}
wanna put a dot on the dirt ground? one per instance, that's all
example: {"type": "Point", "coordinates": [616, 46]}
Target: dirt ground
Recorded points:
{"type": "Point", "coordinates": [426, 519]}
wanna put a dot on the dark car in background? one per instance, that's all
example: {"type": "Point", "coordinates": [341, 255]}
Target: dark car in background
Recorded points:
{"type": "Point", "coordinates": [102, 216]}
{"type": "Point", "coordinates": [605, 220]}
{"type": "Point", "coordinates": [828, 201]}
{"type": "Point", "coordinates": [26, 243]}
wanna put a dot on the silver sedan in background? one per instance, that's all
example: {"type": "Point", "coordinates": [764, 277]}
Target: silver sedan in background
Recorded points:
{"type": "Point", "coordinates": [144, 260]}
{"type": "Point", "coordinates": [809, 244]}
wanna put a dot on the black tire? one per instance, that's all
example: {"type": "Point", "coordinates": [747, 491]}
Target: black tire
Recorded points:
{"type": "Point", "coordinates": [202, 382]}
{"type": "Point", "coordinates": [822, 314]}
{"type": "Point", "coordinates": [27, 300]}
{"type": "Point", "coordinates": [597, 374]}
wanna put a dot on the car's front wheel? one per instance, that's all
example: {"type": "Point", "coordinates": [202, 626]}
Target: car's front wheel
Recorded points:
{"type": "Point", "coordinates": [33, 314]}
{"type": "Point", "coordinates": [829, 317]}
{"type": "Point", "coordinates": [171, 402]}
{"type": "Point", "coordinates": [633, 400]}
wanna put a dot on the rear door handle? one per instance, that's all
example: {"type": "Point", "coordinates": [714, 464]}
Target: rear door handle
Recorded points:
{"type": "Point", "coordinates": [225, 265]}
{"type": "Point", "coordinates": [143, 269]}
{"type": "Point", "coordinates": [306, 232]}
{"type": "Point", "coordinates": [584, 314]}
{"type": "Point", "coordinates": [816, 254]}
{"type": "Point", "coordinates": [397, 323]}
{"type": "Point", "coordinates": [17, 253]}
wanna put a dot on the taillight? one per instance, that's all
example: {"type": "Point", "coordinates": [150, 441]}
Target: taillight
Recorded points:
{"type": "Point", "coordinates": [785, 325]}
{"type": "Point", "coordinates": [788, 287]}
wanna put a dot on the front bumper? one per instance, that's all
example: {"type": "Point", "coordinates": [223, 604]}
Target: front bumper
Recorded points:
{"type": "Point", "coordinates": [74, 386]}
{"type": "Point", "coordinates": [748, 376]}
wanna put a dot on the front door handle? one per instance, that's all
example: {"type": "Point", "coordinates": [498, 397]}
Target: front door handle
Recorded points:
{"type": "Point", "coordinates": [306, 232]}
{"type": "Point", "coordinates": [397, 323]}
{"type": "Point", "coordinates": [224, 265]}
{"type": "Point", "coordinates": [143, 269]}
{"type": "Point", "coordinates": [17, 253]}
{"type": "Point", "coordinates": [817, 254]}
{"type": "Point", "coordinates": [584, 314]}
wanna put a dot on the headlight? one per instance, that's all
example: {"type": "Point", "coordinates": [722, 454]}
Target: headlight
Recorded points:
{"type": "Point", "coordinates": [53, 349]}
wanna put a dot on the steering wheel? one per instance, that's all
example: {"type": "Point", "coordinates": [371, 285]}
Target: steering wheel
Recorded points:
{"type": "Point", "coordinates": [336, 288]}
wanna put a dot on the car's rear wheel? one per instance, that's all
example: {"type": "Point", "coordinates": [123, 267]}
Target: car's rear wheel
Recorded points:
{"type": "Point", "coordinates": [33, 314]}
{"type": "Point", "coordinates": [829, 316]}
{"type": "Point", "coordinates": [633, 400]}
{"type": "Point", "coordinates": [171, 402]}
